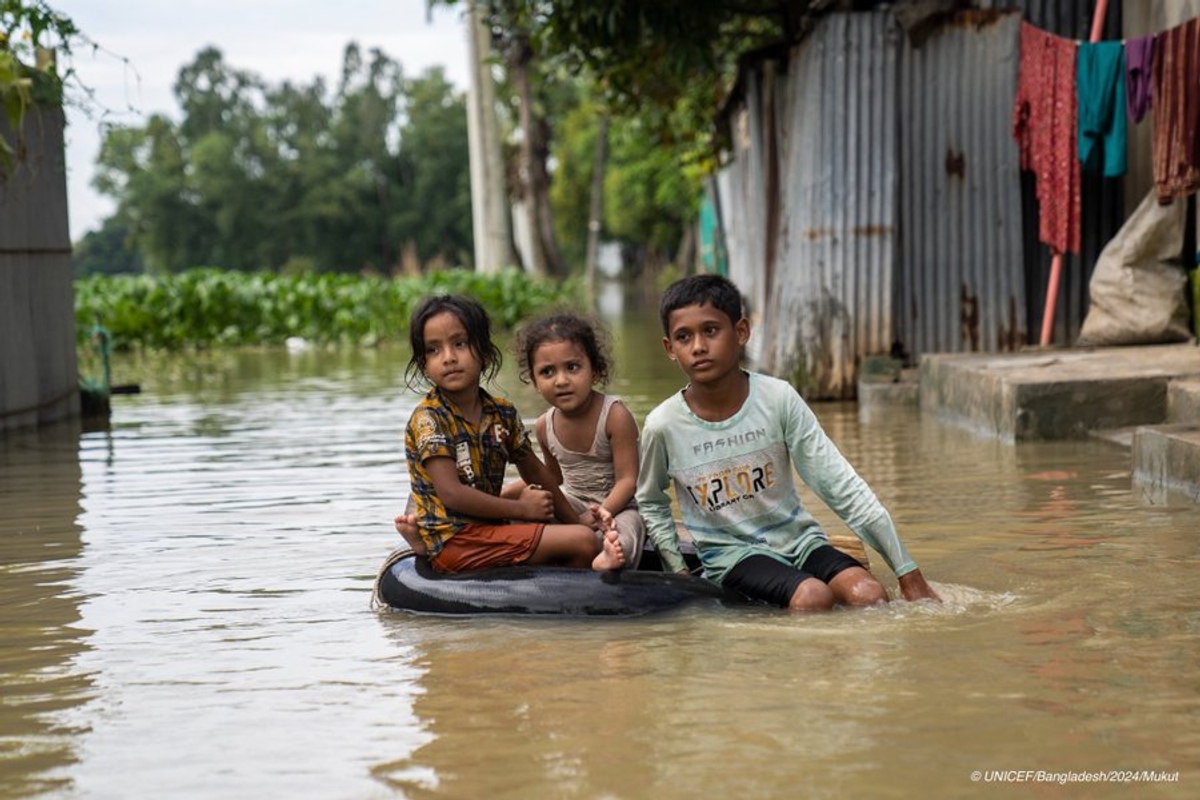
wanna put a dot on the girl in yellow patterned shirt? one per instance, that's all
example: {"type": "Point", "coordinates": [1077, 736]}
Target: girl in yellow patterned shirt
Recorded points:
{"type": "Point", "coordinates": [458, 443]}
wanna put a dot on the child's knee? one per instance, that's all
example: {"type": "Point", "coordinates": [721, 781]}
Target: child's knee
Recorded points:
{"type": "Point", "coordinates": [585, 539]}
{"type": "Point", "coordinates": [866, 591]}
{"type": "Point", "coordinates": [811, 595]}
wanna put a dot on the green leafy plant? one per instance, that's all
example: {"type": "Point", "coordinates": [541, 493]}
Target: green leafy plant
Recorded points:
{"type": "Point", "coordinates": [28, 67]}
{"type": "Point", "coordinates": [207, 307]}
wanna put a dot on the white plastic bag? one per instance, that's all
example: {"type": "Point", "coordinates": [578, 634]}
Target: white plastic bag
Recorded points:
{"type": "Point", "coordinates": [1138, 289]}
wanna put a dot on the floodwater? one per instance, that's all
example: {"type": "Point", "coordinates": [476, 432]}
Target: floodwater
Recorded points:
{"type": "Point", "coordinates": [186, 613]}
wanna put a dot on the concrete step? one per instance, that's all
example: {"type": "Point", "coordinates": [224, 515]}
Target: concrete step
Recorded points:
{"type": "Point", "coordinates": [1122, 437]}
{"type": "Point", "coordinates": [877, 399]}
{"type": "Point", "coordinates": [1183, 400]}
{"type": "Point", "coordinates": [1058, 393]}
{"type": "Point", "coordinates": [1166, 463]}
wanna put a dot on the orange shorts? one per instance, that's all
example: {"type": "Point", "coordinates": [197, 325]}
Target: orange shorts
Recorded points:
{"type": "Point", "coordinates": [479, 545]}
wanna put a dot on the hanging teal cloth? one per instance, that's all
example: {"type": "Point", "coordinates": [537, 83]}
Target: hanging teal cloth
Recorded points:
{"type": "Point", "coordinates": [1100, 73]}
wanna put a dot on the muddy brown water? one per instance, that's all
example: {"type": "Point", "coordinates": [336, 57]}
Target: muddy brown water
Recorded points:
{"type": "Point", "coordinates": [186, 614]}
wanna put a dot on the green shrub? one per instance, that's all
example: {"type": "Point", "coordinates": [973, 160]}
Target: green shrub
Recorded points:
{"type": "Point", "coordinates": [209, 308]}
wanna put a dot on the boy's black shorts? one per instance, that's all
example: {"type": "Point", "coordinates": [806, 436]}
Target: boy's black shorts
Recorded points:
{"type": "Point", "coordinates": [771, 580]}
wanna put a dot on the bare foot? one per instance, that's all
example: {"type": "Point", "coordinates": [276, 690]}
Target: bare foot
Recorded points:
{"type": "Point", "coordinates": [406, 526]}
{"type": "Point", "coordinates": [612, 555]}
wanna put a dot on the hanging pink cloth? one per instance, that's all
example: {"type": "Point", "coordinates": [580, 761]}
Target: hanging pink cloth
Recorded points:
{"type": "Point", "coordinates": [1045, 116]}
{"type": "Point", "coordinates": [1176, 111]}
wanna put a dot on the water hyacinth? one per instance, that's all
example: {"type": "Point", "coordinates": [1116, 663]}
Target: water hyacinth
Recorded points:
{"type": "Point", "coordinates": [215, 308]}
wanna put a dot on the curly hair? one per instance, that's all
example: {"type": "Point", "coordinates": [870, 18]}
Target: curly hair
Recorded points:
{"type": "Point", "coordinates": [564, 327]}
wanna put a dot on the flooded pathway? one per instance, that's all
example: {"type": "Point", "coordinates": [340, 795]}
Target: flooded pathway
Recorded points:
{"type": "Point", "coordinates": [186, 614]}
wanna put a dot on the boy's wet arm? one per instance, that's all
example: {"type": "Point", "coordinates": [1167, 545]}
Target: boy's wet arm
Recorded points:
{"type": "Point", "coordinates": [654, 503]}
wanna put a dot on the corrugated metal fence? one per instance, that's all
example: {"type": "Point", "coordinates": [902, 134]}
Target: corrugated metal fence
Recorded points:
{"type": "Point", "coordinates": [744, 194]}
{"type": "Point", "coordinates": [961, 287]}
{"type": "Point", "coordinates": [39, 380]}
{"type": "Point", "coordinates": [874, 200]}
{"type": "Point", "coordinates": [830, 298]}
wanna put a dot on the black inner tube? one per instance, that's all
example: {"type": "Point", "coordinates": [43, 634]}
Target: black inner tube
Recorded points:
{"type": "Point", "coordinates": [410, 583]}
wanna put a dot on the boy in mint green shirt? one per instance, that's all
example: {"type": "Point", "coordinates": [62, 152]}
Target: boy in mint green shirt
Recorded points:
{"type": "Point", "coordinates": [729, 441]}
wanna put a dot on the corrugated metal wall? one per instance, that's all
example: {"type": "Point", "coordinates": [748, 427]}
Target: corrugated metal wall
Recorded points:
{"type": "Point", "coordinates": [962, 284]}
{"type": "Point", "coordinates": [830, 300]}
{"type": "Point", "coordinates": [743, 183]}
{"type": "Point", "coordinates": [39, 380]}
{"type": "Point", "coordinates": [888, 206]}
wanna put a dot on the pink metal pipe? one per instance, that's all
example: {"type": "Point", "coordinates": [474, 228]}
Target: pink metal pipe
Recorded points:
{"type": "Point", "coordinates": [1098, 19]}
{"type": "Point", "coordinates": [1051, 298]}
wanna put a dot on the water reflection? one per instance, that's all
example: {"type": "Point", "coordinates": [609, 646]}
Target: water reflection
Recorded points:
{"type": "Point", "coordinates": [609, 709]}
{"type": "Point", "coordinates": [42, 637]}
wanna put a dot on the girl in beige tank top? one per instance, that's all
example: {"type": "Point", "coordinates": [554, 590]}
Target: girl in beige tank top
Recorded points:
{"type": "Point", "coordinates": [589, 439]}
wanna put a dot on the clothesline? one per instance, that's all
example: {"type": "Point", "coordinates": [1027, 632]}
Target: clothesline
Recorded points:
{"type": "Point", "coordinates": [1071, 109]}
{"type": "Point", "coordinates": [1122, 41]}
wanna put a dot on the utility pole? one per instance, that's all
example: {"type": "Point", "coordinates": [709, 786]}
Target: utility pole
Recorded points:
{"type": "Point", "coordinates": [596, 210]}
{"type": "Point", "coordinates": [489, 198]}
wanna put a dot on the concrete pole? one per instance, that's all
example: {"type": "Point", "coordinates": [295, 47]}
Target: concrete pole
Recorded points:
{"type": "Point", "coordinates": [489, 196]}
{"type": "Point", "coordinates": [596, 210]}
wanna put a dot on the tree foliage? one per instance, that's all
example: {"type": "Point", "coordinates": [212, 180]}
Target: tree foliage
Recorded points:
{"type": "Point", "coordinates": [651, 189]}
{"type": "Point", "coordinates": [373, 171]}
{"type": "Point", "coordinates": [256, 176]}
{"type": "Point", "coordinates": [660, 71]}
{"type": "Point", "coordinates": [670, 63]}
{"type": "Point", "coordinates": [28, 71]}
{"type": "Point", "coordinates": [106, 252]}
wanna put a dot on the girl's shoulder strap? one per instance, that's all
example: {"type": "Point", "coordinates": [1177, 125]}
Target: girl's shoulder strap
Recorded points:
{"type": "Point", "coordinates": [547, 418]}
{"type": "Point", "coordinates": [602, 422]}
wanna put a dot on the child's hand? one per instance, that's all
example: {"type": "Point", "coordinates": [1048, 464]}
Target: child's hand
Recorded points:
{"type": "Point", "coordinates": [598, 518]}
{"type": "Point", "coordinates": [536, 503]}
{"type": "Point", "coordinates": [914, 587]}
{"type": "Point", "coordinates": [406, 526]}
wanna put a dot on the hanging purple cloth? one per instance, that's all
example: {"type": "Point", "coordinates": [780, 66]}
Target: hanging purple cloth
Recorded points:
{"type": "Point", "coordinates": [1139, 76]}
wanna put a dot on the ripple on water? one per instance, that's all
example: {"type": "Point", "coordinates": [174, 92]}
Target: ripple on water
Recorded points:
{"type": "Point", "coordinates": [199, 578]}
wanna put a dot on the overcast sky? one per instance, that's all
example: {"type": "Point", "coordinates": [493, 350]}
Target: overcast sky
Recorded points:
{"type": "Point", "coordinates": [145, 42]}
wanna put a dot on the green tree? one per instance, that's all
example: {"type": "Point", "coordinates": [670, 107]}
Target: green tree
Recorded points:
{"type": "Point", "coordinates": [296, 121]}
{"type": "Point", "coordinates": [364, 137]}
{"type": "Point", "coordinates": [260, 177]}
{"type": "Point", "coordinates": [651, 187]}
{"type": "Point", "coordinates": [573, 153]}
{"type": "Point", "coordinates": [436, 214]}
{"type": "Point", "coordinates": [216, 97]}
{"type": "Point", "coordinates": [670, 62]}
{"type": "Point", "coordinates": [145, 170]}
{"type": "Point", "coordinates": [653, 191]}
{"type": "Point", "coordinates": [661, 70]}
{"type": "Point", "coordinates": [106, 252]}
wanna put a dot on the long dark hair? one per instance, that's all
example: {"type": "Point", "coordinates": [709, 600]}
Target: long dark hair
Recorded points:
{"type": "Point", "coordinates": [479, 335]}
